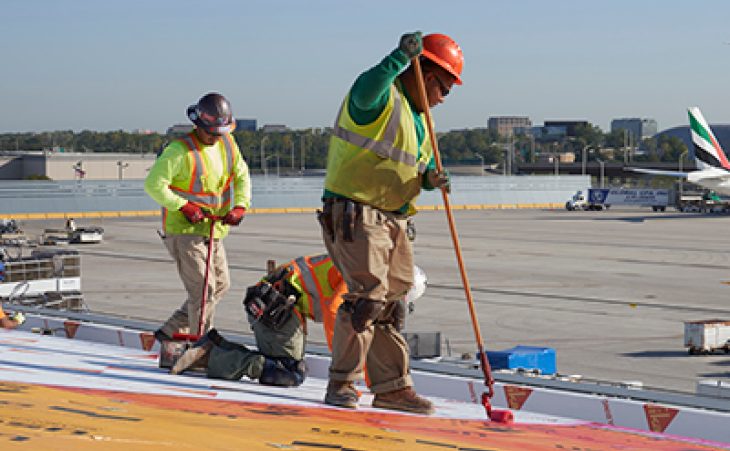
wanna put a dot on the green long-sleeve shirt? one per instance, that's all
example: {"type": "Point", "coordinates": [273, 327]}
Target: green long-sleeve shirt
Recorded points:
{"type": "Point", "coordinates": [369, 96]}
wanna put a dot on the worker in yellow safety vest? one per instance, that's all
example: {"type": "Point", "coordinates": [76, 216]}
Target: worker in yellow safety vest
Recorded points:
{"type": "Point", "coordinates": [278, 307]}
{"type": "Point", "coordinates": [379, 159]}
{"type": "Point", "coordinates": [201, 173]}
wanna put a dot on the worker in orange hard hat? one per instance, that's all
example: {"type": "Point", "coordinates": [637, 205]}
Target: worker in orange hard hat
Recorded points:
{"type": "Point", "coordinates": [380, 157]}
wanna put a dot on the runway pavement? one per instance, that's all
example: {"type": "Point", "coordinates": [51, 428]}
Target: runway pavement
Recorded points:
{"type": "Point", "coordinates": [608, 290]}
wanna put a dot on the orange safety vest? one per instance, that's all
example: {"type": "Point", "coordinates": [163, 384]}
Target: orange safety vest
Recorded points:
{"type": "Point", "coordinates": [320, 287]}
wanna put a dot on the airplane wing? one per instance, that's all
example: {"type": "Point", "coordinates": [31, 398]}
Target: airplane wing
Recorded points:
{"type": "Point", "coordinates": [658, 172]}
{"type": "Point", "coordinates": [708, 175]}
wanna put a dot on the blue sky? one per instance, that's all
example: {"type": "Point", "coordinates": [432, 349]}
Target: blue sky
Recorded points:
{"type": "Point", "coordinates": [107, 65]}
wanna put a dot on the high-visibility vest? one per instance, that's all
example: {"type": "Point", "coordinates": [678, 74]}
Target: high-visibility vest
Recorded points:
{"type": "Point", "coordinates": [217, 202]}
{"type": "Point", "coordinates": [316, 280]}
{"type": "Point", "coordinates": [319, 286]}
{"type": "Point", "coordinates": [378, 163]}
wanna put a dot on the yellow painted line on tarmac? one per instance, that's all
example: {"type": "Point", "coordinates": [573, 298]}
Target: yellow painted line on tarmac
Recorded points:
{"type": "Point", "coordinates": [81, 214]}
{"type": "Point", "coordinates": [143, 213]}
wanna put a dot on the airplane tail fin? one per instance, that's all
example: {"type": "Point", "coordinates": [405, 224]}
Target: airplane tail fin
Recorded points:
{"type": "Point", "coordinates": [708, 153]}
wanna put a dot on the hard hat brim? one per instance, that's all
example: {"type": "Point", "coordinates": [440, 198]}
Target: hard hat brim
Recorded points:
{"type": "Point", "coordinates": [444, 65]}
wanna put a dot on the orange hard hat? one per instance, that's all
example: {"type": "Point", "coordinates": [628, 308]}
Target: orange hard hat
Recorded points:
{"type": "Point", "coordinates": [445, 52]}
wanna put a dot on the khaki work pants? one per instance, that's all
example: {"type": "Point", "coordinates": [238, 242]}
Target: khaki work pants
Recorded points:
{"type": "Point", "coordinates": [377, 265]}
{"type": "Point", "coordinates": [189, 253]}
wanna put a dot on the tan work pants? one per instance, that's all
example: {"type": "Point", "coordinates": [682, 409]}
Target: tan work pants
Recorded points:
{"type": "Point", "coordinates": [377, 265]}
{"type": "Point", "coordinates": [189, 253]}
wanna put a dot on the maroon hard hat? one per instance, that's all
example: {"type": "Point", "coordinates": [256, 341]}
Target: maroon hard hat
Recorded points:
{"type": "Point", "coordinates": [213, 114]}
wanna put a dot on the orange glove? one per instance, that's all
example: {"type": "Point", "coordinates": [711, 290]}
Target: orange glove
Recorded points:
{"type": "Point", "coordinates": [192, 212]}
{"type": "Point", "coordinates": [235, 216]}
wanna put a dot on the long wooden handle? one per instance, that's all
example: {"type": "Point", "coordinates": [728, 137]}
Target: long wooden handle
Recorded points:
{"type": "Point", "coordinates": [452, 226]}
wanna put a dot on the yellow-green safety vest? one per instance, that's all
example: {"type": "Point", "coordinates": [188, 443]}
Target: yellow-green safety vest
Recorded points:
{"type": "Point", "coordinates": [378, 163]}
{"type": "Point", "coordinates": [216, 202]}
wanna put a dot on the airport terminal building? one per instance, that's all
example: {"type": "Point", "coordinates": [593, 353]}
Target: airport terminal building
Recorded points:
{"type": "Point", "coordinates": [74, 166]}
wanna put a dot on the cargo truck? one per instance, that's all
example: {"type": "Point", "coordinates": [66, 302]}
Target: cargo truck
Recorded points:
{"type": "Point", "coordinates": [600, 198]}
{"type": "Point", "coordinates": [707, 336]}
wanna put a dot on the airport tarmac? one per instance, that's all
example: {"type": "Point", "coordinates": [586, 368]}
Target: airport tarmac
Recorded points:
{"type": "Point", "coordinates": [609, 291]}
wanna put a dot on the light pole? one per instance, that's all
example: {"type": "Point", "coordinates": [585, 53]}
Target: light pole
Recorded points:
{"type": "Point", "coordinates": [511, 153]}
{"type": "Point", "coordinates": [532, 148]}
{"type": "Point", "coordinates": [277, 163]}
{"type": "Point", "coordinates": [583, 161]}
{"type": "Point", "coordinates": [122, 165]}
{"type": "Point", "coordinates": [263, 156]}
{"type": "Point", "coordinates": [602, 164]}
{"type": "Point", "coordinates": [681, 160]}
{"type": "Point", "coordinates": [681, 169]}
{"type": "Point", "coordinates": [303, 141]}
{"type": "Point", "coordinates": [481, 159]}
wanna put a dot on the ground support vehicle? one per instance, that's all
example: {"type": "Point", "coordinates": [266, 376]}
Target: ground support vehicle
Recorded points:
{"type": "Point", "coordinates": [707, 336]}
{"type": "Point", "coordinates": [701, 202]}
{"type": "Point", "coordinates": [600, 198]}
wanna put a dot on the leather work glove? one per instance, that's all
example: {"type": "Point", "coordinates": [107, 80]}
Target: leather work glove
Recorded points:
{"type": "Point", "coordinates": [399, 315]}
{"type": "Point", "coordinates": [192, 212]}
{"type": "Point", "coordinates": [411, 44]}
{"type": "Point", "coordinates": [364, 312]}
{"type": "Point", "coordinates": [235, 216]}
{"type": "Point", "coordinates": [439, 179]}
{"type": "Point", "coordinates": [18, 317]}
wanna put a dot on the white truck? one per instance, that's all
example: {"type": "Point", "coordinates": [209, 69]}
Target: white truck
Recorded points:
{"type": "Point", "coordinates": [600, 198]}
{"type": "Point", "coordinates": [707, 336]}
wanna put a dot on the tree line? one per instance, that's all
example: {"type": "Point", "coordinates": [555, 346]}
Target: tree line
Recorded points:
{"type": "Point", "coordinates": [307, 148]}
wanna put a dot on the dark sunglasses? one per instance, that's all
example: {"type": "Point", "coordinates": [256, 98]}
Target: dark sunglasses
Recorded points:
{"type": "Point", "coordinates": [442, 86]}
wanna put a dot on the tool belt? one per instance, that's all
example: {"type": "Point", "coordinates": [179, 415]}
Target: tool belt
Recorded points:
{"type": "Point", "coordinates": [350, 212]}
{"type": "Point", "coordinates": [264, 303]}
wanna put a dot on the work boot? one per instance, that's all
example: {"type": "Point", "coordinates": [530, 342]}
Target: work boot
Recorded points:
{"type": "Point", "coordinates": [276, 373]}
{"type": "Point", "coordinates": [404, 399]}
{"type": "Point", "coordinates": [341, 394]}
{"type": "Point", "coordinates": [161, 336]}
{"type": "Point", "coordinates": [197, 356]}
{"type": "Point", "coordinates": [169, 349]}
{"type": "Point", "coordinates": [214, 336]}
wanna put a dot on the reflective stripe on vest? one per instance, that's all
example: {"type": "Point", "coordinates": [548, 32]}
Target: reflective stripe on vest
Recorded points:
{"type": "Point", "coordinates": [304, 266]}
{"type": "Point", "coordinates": [195, 192]}
{"type": "Point", "coordinates": [383, 147]}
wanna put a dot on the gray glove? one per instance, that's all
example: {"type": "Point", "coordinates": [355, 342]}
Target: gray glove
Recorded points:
{"type": "Point", "coordinates": [439, 179]}
{"type": "Point", "coordinates": [411, 44]}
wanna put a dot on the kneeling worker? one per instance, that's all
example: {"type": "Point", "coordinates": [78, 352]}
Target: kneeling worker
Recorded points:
{"type": "Point", "coordinates": [277, 308]}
